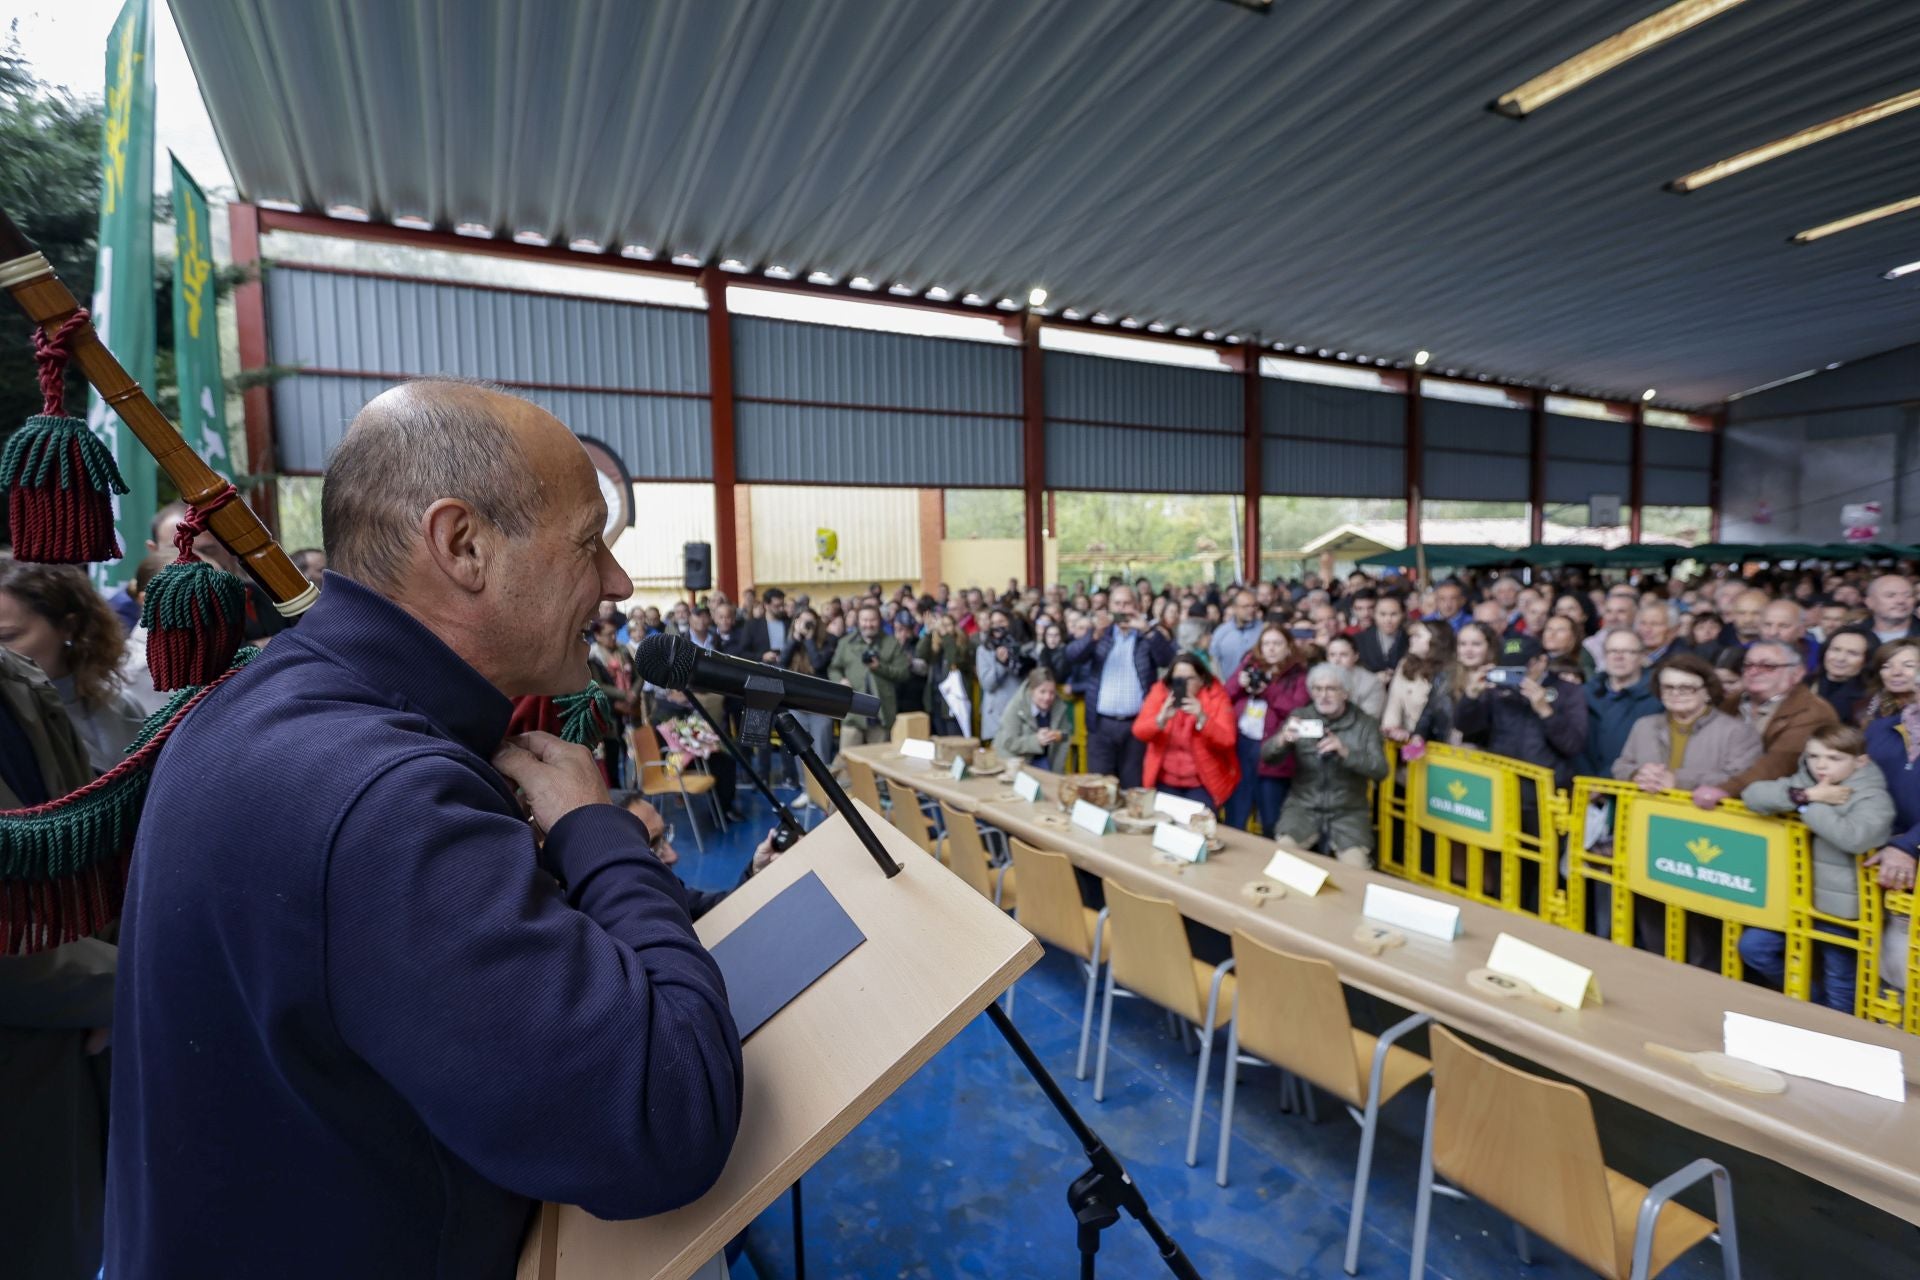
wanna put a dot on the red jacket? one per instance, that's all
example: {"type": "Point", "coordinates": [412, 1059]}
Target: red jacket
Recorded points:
{"type": "Point", "coordinates": [1212, 746]}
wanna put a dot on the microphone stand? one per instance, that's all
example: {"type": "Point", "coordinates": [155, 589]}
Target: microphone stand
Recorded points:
{"type": "Point", "coordinates": [790, 828]}
{"type": "Point", "coordinates": [1098, 1196]}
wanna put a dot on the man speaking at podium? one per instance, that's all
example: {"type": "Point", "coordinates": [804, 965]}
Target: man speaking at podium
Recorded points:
{"type": "Point", "coordinates": [363, 1022]}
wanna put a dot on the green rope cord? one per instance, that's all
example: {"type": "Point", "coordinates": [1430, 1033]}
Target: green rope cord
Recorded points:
{"type": "Point", "coordinates": [587, 716]}
{"type": "Point", "coordinates": [39, 448]}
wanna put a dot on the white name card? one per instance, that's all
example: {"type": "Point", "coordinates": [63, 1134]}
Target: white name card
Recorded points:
{"type": "Point", "coordinates": [1868, 1068]}
{"type": "Point", "coordinates": [1555, 977]}
{"type": "Point", "coordinates": [1175, 807]}
{"type": "Point", "coordinates": [1091, 818]}
{"type": "Point", "coordinates": [1183, 843]}
{"type": "Point", "coordinates": [1296, 872]}
{"type": "Point", "coordinates": [959, 768]}
{"type": "Point", "coordinates": [917, 748]}
{"type": "Point", "coordinates": [1411, 912]}
{"type": "Point", "coordinates": [1026, 786]}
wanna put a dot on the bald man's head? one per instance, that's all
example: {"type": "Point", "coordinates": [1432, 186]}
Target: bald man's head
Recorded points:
{"type": "Point", "coordinates": [479, 513]}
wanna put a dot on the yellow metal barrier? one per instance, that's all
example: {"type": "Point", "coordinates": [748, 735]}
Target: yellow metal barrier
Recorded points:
{"type": "Point", "coordinates": [1473, 824]}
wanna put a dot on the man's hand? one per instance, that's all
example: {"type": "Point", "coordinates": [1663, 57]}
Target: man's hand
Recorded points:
{"type": "Point", "coordinates": [1332, 746]}
{"type": "Point", "coordinates": [764, 854]}
{"type": "Point", "coordinates": [769, 656]}
{"type": "Point", "coordinates": [1896, 869]}
{"type": "Point", "coordinates": [1829, 793]}
{"type": "Point", "coordinates": [1707, 797]}
{"type": "Point", "coordinates": [556, 777]}
{"type": "Point", "coordinates": [1536, 695]}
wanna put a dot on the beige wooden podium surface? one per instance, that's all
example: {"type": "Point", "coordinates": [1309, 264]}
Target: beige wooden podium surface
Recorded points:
{"type": "Point", "coordinates": [936, 953]}
{"type": "Point", "coordinates": [1864, 1146]}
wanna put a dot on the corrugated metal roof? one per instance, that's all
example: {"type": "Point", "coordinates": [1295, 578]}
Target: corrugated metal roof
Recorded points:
{"type": "Point", "coordinates": [1327, 174]}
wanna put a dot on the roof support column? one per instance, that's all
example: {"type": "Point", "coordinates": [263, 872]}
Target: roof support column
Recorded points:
{"type": "Point", "coordinates": [1415, 457]}
{"type": "Point", "coordinates": [726, 546]}
{"type": "Point", "coordinates": [1251, 461]}
{"type": "Point", "coordinates": [1033, 451]}
{"type": "Point", "coordinates": [1537, 467]}
{"type": "Point", "coordinates": [250, 313]}
{"type": "Point", "coordinates": [1637, 476]}
{"type": "Point", "coordinates": [1713, 477]}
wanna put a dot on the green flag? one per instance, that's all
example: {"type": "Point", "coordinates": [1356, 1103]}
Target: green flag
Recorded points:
{"type": "Point", "coordinates": [196, 332]}
{"type": "Point", "coordinates": [123, 282]}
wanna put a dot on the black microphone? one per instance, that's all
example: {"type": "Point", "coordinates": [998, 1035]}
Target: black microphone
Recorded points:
{"type": "Point", "coordinates": [675, 662]}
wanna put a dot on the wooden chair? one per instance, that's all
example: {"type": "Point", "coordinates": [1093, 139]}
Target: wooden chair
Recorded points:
{"type": "Point", "coordinates": [1152, 958]}
{"type": "Point", "coordinates": [822, 806]}
{"type": "Point", "coordinates": [863, 784]}
{"type": "Point", "coordinates": [660, 777]}
{"type": "Point", "coordinates": [1291, 1012]}
{"type": "Point", "coordinates": [908, 815]}
{"type": "Point", "coordinates": [1052, 910]}
{"type": "Point", "coordinates": [1529, 1148]}
{"type": "Point", "coordinates": [967, 855]}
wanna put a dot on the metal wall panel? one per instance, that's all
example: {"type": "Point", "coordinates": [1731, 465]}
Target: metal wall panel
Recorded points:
{"type": "Point", "coordinates": [814, 444]}
{"type": "Point", "coordinates": [1316, 469]}
{"type": "Point", "coordinates": [659, 438]}
{"type": "Point", "coordinates": [1080, 456]}
{"type": "Point", "coordinates": [370, 324]}
{"type": "Point", "coordinates": [1452, 424]}
{"type": "Point", "coordinates": [1096, 389]}
{"type": "Point", "coordinates": [1672, 447]}
{"type": "Point", "coordinates": [787, 360]}
{"type": "Point", "coordinates": [1677, 487]}
{"type": "Point", "coordinates": [1888, 377]}
{"type": "Point", "coordinates": [1475, 477]}
{"type": "Point", "coordinates": [1308, 409]}
{"type": "Point", "coordinates": [1576, 480]}
{"type": "Point", "coordinates": [1589, 439]}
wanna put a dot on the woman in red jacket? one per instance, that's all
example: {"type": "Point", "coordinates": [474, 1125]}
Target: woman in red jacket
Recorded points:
{"type": "Point", "coordinates": [1187, 724]}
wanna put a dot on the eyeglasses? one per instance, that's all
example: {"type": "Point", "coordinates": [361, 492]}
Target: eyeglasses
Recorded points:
{"type": "Point", "coordinates": [1677, 689]}
{"type": "Point", "coordinates": [1752, 664]}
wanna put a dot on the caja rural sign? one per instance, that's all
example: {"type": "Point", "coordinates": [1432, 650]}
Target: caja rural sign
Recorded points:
{"type": "Point", "coordinates": [1457, 798]}
{"type": "Point", "coordinates": [1720, 863]}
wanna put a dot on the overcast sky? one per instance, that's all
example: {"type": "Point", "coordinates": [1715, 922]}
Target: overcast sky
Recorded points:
{"type": "Point", "coordinates": [66, 44]}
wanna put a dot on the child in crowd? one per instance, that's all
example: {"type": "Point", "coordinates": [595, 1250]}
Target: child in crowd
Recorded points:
{"type": "Point", "coordinates": [1842, 797]}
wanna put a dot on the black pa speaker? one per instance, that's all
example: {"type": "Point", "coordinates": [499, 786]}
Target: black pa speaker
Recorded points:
{"type": "Point", "coordinates": [698, 558]}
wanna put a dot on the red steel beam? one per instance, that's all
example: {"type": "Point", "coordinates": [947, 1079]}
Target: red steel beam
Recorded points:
{"type": "Point", "coordinates": [1537, 461]}
{"type": "Point", "coordinates": [250, 313]}
{"type": "Point", "coordinates": [1713, 477]}
{"type": "Point", "coordinates": [1250, 460]}
{"type": "Point", "coordinates": [1637, 474]}
{"type": "Point", "coordinates": [1415, 458]}
{"type": "Point", "coordinates": [1033, 440]}
{"type": "Point", "coordinates": [726, 561]}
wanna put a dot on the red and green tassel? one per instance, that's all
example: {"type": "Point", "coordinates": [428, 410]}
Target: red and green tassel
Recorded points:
{"type": "Point", "coordinates": [60, 478]}
{"type": "Point", "coordinates": [586, 717]}
{"type": "Point", "coordinates": [63, 864]}
{"type": "Point", "coordinates": [195, 614]}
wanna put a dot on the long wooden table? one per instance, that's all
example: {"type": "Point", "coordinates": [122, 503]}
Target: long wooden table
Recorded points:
{"type": "Point", "coordinates": [1864, 1146]}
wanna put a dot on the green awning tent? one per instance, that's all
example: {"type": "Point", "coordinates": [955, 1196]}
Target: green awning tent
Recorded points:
{"type": "Point", "coordinates": [1635, 555]}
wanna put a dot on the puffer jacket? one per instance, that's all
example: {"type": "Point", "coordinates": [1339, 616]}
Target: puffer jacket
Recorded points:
{"type": "Point", "coordinates": [1327, 783]}
{"type": "Point", "coordinates": [1282, 694]}
{"type": "Point", "coordinates": [1842, 834]}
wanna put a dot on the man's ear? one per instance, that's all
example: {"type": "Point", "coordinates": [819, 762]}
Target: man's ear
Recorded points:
{"type": "Point", "coordinates": [458, 543]}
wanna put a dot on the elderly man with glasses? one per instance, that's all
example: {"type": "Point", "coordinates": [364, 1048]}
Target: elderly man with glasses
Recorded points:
{"type": "Point", "coordinates": [1776, 705]}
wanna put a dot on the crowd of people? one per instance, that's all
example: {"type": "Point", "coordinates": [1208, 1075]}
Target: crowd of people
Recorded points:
{"type": "Point", "coordinates": [1272, 701]}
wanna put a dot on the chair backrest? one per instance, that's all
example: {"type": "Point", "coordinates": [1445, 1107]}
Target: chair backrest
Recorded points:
{"type": "Point", "coordinates": [1526, 1146]}
{"type": "Point", "coordinates": [966, 851]}
{"type": "Point", "coordinates": [911, 724]}
{"type": "Point", "coordinates": [1050, 905]}
{"type": "Point", "coordinates": [863, 786]}
{"type": "Point", "coordinates": [646, 744]}
{"type": "Point", "coordinates": [1151, 954]}
{"type": "Point", "coordinates": [815, 792]}
{"type": "Point", "coordinates": [907, 815]}
{"type": "Point", "coordinates": [1293, 1013]}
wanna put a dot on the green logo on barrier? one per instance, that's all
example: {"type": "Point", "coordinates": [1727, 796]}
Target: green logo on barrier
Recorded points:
{"type": "Point", "coordinates": [1729, 865]}
{"type": "Point", "coordinates": [1464, 799]}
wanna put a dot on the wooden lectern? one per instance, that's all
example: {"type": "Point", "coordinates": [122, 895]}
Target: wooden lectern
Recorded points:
{"type": "Point", "coordinates": [936, 955]}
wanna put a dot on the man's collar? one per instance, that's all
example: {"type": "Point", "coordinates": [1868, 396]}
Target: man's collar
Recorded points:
{"type": "Point", "coordinates": [397, 654]}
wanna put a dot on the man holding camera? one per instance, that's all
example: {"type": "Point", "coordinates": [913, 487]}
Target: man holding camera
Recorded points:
{"type": "Point", "coordinates": [1000, 666]}
{"type": "Point", "coordinates": [1128, 653]}
{"type": "Point", "coordinates": [1523, 712]}
{"type": "Point", "coordinates": [870, 661]}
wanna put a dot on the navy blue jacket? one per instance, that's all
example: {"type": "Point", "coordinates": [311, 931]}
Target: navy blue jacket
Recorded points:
{"type": "Point", "coordinates": [1610, 717]}
{"type": "Point", "coordinates": [1887, 747]}
{"type": "Point", "coordinates": [1152, 652]}
{"type": "Point", "coordinates": [361, 1026]}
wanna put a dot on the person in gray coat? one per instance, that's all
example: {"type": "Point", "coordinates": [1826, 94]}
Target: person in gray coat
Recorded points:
{"type": "Point", "coordinates": [1033, 730]}
{"type": "Point", "coordinates": [1842, 797]}
{"type": "Point", "coordinates": [1337, 752]}
{"type": "Point", "coordinates": [997, 663]}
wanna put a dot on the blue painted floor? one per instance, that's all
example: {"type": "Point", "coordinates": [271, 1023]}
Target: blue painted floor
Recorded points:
{"type": "Point", "coordinates": [964, 1171]}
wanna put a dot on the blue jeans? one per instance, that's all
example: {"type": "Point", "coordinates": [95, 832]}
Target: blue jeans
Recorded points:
{"type": "Point", "coordinates": [1765, 952]}
{"type": "Point", "coordinates": [1270, 793]}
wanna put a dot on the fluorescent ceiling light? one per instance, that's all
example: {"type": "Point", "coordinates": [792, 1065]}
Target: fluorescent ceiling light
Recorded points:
{"type": "Point", "coordinates": [939, 293]}
{"type": "Point", "coordinates": [1897, 272]}
{"type": "Point", "coordinates": [1794, 141]}
{"type": "Point", "coordinates": [1647, 395]}
{"type": "Point", "coordinates": [1420, 359]}
{"type": "Point", "coordinates": [1646, 34]}
{"type": "Point", "coordinates": [1037, 297]}
{"type": "Point", "coordinates": [1860, 219]}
